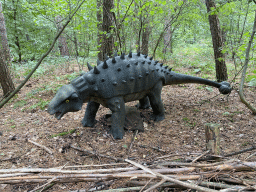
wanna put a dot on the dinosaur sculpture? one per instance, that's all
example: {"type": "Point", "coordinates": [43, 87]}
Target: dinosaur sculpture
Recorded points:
{"type": "Point", "coordinates": [116, 81]}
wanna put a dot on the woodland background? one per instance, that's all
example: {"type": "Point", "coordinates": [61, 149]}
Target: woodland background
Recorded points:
{"type": "Point", "coordinates": [210, 39]}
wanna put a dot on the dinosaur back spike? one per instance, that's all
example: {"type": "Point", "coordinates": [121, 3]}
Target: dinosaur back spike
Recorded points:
{"type": "Point", "coordinates": [138, 54]}
{"type": "Point", "coordinates": [122, 56]}
{"type": "Point", "coordinates": [115, 54]}
{"type": "Point", "coordinates": [105, 65]}
{"type": "Point", "coordinates": [89, 66]}
{"type": "Point", "coordinates": [96, 70]}
{"type": "Point", "coordinates": [113, 60]}
{"type": "Point", "coordinates": [145, 56]}
{"type": "Point", "coordinates": [150, 58]}
{"type": "Point", "coordinates": [130, 55]}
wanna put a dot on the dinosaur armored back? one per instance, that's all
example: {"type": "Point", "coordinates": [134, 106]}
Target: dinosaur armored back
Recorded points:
{"type": "Point", "coordinates": [119, 80]}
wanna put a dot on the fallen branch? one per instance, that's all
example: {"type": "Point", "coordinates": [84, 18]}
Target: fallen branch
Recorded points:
{"type": "Point", "coordinates": [200, 156]}
{"type": "Point", "coordinates": [44, 185]}
{"type": "Point", "coordinates": [187, 185]}
{"type": "Point", "coordinates": [41, 146]}
{"type": "Point", "coordinates": [54, 170]}
{"type": "Point", "coordinates": [241, 151]}
{"type": "Point", "coordinates": [155, 186]}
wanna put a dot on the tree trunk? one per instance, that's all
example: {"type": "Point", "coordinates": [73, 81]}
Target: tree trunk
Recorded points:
{"type": "Point", "coordinates": [220, 65]}
{"type": "Point", "coordinates": [108, 40]}
{"type": "Point", "coordinates": [63, 46]}
{"type": "Point", "coordinates": [145, 38]}
{"type": "Point", "coordinates": [99, 26]}
{"type": "Point", "coordinates": [5, 77]}
{"type": "Point", "coordinates": [167, 39]}
{"type": "Point", "coordinates": [17, 39]}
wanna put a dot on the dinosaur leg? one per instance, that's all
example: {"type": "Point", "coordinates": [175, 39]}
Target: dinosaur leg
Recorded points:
{"type": "Point", "coordinates": [90, 113]}
{"type": "Point", "coordinates": [156, 102]}
{"type": "Point", "coordinates": [144, 103]}
{"type": "Point", "coordinates": [117, 106]}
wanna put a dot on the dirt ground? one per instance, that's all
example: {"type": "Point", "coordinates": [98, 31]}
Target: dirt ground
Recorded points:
{"type": "Point", "coordinates": [187, 108]}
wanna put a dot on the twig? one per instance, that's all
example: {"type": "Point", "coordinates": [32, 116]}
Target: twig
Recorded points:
{"type": "Point", "coordinates": [41, 146]}
{"type": "Point", "coordinates": [187, 185]}
{"type": "Point", "coordinates": [42, 186]}
{"type": "Point", "coordinates": [196, 164]}
{"type": "Point", "coordinates": [155, 186]}
{"type": "Point", "coordinates": [101, 165]}
{"type": "Point", "coordinates": [241, 151]}
{"type": "Point", "coordinates": [200, 156]}
{"type": "Point", "coordinates": [96, 154]}
{"type": "Point", "coordinates": [133, 139]}
{"type": "Point", "coordinates": [155, 148]}
{"type": "Point", "coordinates": [216, 185]}
{"type": "Point", "coordinates": [146, 185]}
{"type": "Point", "coordinates": [172, 155]}
{"type": "Point", "coordinates": [13, 175]}
{"type": "Point", "coordinates": [122, 189]}
{"type": "Point", "coordinates": [251, 155]}
{"type": "Point", "coordinates": [54, 170]}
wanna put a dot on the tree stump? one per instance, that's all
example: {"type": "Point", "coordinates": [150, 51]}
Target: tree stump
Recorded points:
{"type": "Point", "coordinates": [212, 135]}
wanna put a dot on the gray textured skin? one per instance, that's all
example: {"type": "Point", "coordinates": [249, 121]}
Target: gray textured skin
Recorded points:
{"type": "Point", "coordinates": [117, 81]}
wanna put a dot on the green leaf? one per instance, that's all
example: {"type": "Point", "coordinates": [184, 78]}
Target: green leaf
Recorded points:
{"type": "Point", "coordinates": [180, 3]}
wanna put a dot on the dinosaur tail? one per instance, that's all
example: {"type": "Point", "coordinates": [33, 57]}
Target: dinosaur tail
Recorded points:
{"type": "Point", "coordinates": [176, 78]}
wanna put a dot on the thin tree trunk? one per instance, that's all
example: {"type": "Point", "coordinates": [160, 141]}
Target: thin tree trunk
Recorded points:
{"type": "Point", "coordinates": [5, 77]}
{"type": "Point", "coordinates": [220, 65]}
{"type": "Point", "coordinates": [145, 39]}
{"type": "Point", "coordinates": [63, 46]}
{"type": "Point", "coordinates": [17, 40]}
{"type": "Point", "coordinates": [108, 40]}
{"type": "Point", "coordinates": [99, 26]}
{"type": "Point", "coordinates": [167, 39]}
{"type": "Point", "coordinates": [241, 92]}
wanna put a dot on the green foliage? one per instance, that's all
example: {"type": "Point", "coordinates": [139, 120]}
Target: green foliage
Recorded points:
{"type": "Point", "coordinates": [252, 83]}
{"type": "Point", "coordinates": [41, 104]}
{"type": "Point", "coordinates": [19, 103]}
{"type": "Point", "coordinates": [64, 133]}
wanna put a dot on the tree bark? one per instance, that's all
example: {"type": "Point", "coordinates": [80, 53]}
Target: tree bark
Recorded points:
{"type": "Point", "coordinates": [145, 39]}
{"type": "Point", "coordinates": [5, 77]}
{"type": "Point", "coordinates": [17, 39]}
{"type": "Point", "coordinates": [108, 40]}
{"type": "Point", "coordinates": [63, 46]}
{"type": "Point", "coordinates": [99, 26]}
{"type": "Point", "coordinates": [220, 65]}
{"type": "Point", "coordinates": [167, 39]}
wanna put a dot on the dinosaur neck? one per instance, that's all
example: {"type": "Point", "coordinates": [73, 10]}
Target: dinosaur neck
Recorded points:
{"type": "Point", "coordinates": [176, 78]}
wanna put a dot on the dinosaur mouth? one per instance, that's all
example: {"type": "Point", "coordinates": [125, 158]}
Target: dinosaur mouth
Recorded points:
{"type": "Point", "coordinates": [58, 115]}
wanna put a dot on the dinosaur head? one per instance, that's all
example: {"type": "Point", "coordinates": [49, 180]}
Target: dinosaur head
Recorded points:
{"type": "Point", "coordinates": [66, 100]}
{"type": "Point", "coordinates": [225, 88]}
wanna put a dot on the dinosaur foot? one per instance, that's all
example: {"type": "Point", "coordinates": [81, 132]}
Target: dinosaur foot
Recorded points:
{"type": "Point", "coordinates": [159, 117]}
{"type": "Point", "coordinates": [87, 123]}
{"type": "Point", "coordinates": [117, 133]}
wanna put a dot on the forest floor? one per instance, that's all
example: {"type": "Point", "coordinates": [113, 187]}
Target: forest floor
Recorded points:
{"type": "Point", "coordinates": [187, 109]}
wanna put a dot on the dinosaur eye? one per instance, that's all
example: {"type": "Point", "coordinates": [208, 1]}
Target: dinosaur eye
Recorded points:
{"type": "Point", "coordinates": [67, 101]}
